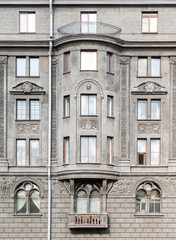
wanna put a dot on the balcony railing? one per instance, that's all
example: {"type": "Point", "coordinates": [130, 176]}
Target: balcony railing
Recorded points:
{"type": "Point", "coordinates": [88, 220]}
{"type": "Point", "coordinates": [89, 28]}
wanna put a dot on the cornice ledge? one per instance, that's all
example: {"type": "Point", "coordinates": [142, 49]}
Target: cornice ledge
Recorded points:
{"type": "Point", "coordinates": [22, 43]}
{"type": "Point", "coordinates": [149, 44]}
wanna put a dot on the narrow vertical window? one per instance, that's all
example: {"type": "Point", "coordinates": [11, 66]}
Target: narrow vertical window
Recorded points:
{"type": "Point", "coordinates": [149, 22]}
{"type": "Point", "coordinates": [34, 109]}
{"type": "Point", "coordinates": [88, 60]}
{"type": "Point", "coordinates": [88, 149]}
{"type": "Point", "coordinates": [21, 152]}
{"type": "Point", "coordinates": [21, 109]}
{"type": "Point", "coordinates": [34, 66]}
{"type": "Point", "coordinates": [109, 149]}
{"type": "Point", "coordinates": [155, 151]}
{"type": "Point", "coordinates": [27, 22]}
{"type": "Point", "coordinates": [67, 106]}
{"type": "Point", "coordinates": [110, 106]}
{"type": "Point", "coordinates": [142, 109]}
{"type": "Point", "coordinates": [109, 62]}
{"type": "Point", "coordinates": [142, 67]}
{"type": "Point", "coordinates": [88, 22]}
{"type": "Point", "coordinates": [141, 154]}
{"type": "Point", "coordinates": [155, 109]}
{"type": "Point", "coordinates": [21, 66]}
{"type": "Point", "coordinates": [88, 105]}
{"type": "Point", "coordinates": [66, 150]}
{"type": "Point", "coordinates": [66, 62]}
{"type": "Point", "coordinates": [155, 67]}
{"type": "Point", "coordinates": [34, 152]}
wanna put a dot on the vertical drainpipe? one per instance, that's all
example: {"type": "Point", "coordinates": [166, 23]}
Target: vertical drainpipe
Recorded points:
{"type": "Point", "coordinates": [49, 119]}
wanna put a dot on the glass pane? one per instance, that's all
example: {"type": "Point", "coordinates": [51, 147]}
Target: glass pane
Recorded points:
{"type": "Point", "coordinates": [84, 105]}
{"type": "Point", "coordinates": [137, 207]}
{"type": "Point", "coordinates": [84, 149]}
{"type": "Point", "coordinates": [67, 150]}
{"type": "Point", "coordinates": [21, 152]}
{"type": "Point", "coordinates": [81, 205]}
{"type": "Point", "coordinates": [151, 210]}
{"type": "Point", "coordinates": [145, 24]}
{"type": "Point", "coordinates": [31, 22]}
{"type": "Point", "coordinates": [94, 205]}
{"type": "Point", "coordinates": [109, 106]}
{"type": "Point", "coordinates": [88, 60]}
{"type": "Point", "coordinates": [109, 150]}
{"type": "Point", "coordinates": [88, 187]}
{"type": "Point", "coordinates": [67, 106]}
{"type": "Point", "coordinates": [92, 149]}
{"type": "Point", "coordinates": [92, 22]}
{"type": "Point", "coordinates": [34, 66]}
{"type": "Point", "coordinates": [21, 202]}
{"type": "Point", "coordinates": [148, 186]}
{"type": "Point", "coordinates": [34, 109]}
{"type": "Point", "coordinates": [143, 206]}
{"type": "Point", "coordinates": [153, 24]}
{"type": "Point", "coordinates": [155, 152]}
{"type": "Point", "coordinates": [108, 62]}
{"type": "Point", "coordinates": [34, 152]}
{"type": "Point", "coordinates": [141, 194]}
{"type": "Point", "coordinates": [141, 145]}
{"type": "Point", "coordinates": [155, 146]}
{"type": "Point", "coordinates": [154, 194]}
{"type": "Point", "coordinates": [157, 207]}
{"type": "Point", "coordinates": [21, 109]}
{"type": "Point", "coordinates": [21, 66]}
{"type": "Point", "coordinates": [28, 186]}
{"type": "Point", "coordinates": [142, 157]}
{"type": "Point", "coordinates": [142, 67]}
{"type": "Point", "coordinates": [35, 202]}
{"type": "Point", "coordinates": [155, 67]}
{"type": "Point", "coordinates": [92, 105]}
{"type": "Point", "coordinates": [82, 194]}
{"type": "Point", "coordinates": [23, 22]}
{"type": "Point", "coordinates": [142, 105]}
{"type": "Point", "coordinates": [155, 109]}
{"type": "Point", "coordinates": [84, 25]}
{"type": "Point", "coordinates": [66, 62]}
{"type": "Point", "coordinates": [154, 158]}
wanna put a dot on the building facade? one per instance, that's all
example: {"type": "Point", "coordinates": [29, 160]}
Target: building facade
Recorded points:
{"type": "Point", "coordinates": [88, 119]}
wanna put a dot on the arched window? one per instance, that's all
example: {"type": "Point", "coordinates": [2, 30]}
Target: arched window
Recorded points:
{"type": "Point", "coordinates": [27, 198]}
{"type": "Point", "coordinates": [148, 198]}
{"type": "Point", "coordinates": [88, 199]}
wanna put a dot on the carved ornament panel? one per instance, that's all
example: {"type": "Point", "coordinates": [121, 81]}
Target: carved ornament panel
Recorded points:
{"type": "Point", "coordinates": [28, 128]}
{"type": "Point", "coordinates": [89, 124]}
{"type": "Point", "coordinates": [148, 128]}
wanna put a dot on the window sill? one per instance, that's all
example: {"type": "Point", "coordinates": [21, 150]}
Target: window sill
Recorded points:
{"type": "Point", "coordinates": [96, 163]}
{"type": "Point", "coordinates": [149, 215]}
{"type": "Point", "coordinates": [27, 120]}
{"type": "Point", "coordinates": [149, 76]}
{"type": "Point", "coordinates": [27, 76]}
{"type": "Point", "coordinates": [110, 73]}
{"type": "Point", "coordinates": [66, 117]}
{"type": "Point", "coordinates": [64, 73]}
{"type": "Point", "coordinates": [88, 115]}
{"type": "Point", "coordinates": [110, 117]}
{"type": "Point", "coordinates": [88, 70]}
{"type": "Point", "coordinates": [149, 32]}
{"type": "Point", "coordinates": [28, 215]}
{"type": "Point", "coordinates": [27, 32]}
{"type": "Point", "coordinates": [150, 120]}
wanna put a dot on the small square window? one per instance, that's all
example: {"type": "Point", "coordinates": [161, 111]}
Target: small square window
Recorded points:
{"type": "Point", "coordinates": [34, 152]}
{"type": "Point", "coordinates": [88, 60]}
{"type": "Point", "coordinates": [109, 62]}
{"type": "Point", "coordinates": [109, 106]}
{"type": "Point", "coordinates": [34, 66]}
{"type": "Point", "coordinates": [34, 109]}
{"type": "Point", "coordinates": [66, 150]}
{"type": "Point", "coordinates": [155, 152]}
{"type": "Point", "coordinates": [141, 154]}
{"type": "Point", "coordinates": [149, 22]}
{"type": "Point", "coordinates": [27, 22]}
{"type": "Point", "coordinates": [21, 109]}
{"type": "Point", "coordinates": [88, 104]}
{"type": "Point", "coordinates": [66, 62]}
{"type": "Point", "coordinates": [109, 149]}
{"type": "Point", "coordinates": [88, 149]}
{"type": "Point", "coordinates": [67, 106]}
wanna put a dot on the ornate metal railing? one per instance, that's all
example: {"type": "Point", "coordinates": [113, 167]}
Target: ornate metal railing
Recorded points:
{"type": "Point", "coordinates": [88, 220]}
{"type": "Point", "coordinates": [89, 28]}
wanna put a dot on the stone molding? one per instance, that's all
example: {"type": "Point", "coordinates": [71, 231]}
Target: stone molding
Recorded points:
{"type": "Point", "coordinates": [27, 88]}
{"type": "Point", "coordinates": [149, 88]}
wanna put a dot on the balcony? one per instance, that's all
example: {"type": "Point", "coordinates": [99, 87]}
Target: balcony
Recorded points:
{"type": "Point", "coordinates": [88, 220]}
{"type": "Point", "coordinates": [87, 28]}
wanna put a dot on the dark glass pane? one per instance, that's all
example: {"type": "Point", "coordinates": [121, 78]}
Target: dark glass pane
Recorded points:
{"type": "Point", "coordinates": [151, 207]}
{"type": "Point", "coordinates": [137, 207]}
{"type": "Point", "coordinates": [143, 206]}
{"type": "Point", "coordinates": [82, 194]}
{"type": "Point", "coordinates": [157, 207]}
{"type": "Point", "coordinates": [141, 158]}
{"type": "Point", "coordinates": [35, 202]}
{"type": "Point", "coordinates": [141, 194]}
{"type": "Point", "coordinates": [95, 194]}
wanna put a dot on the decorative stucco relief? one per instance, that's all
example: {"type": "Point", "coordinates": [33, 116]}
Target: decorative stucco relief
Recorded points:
{"type": "Point", "coordinates": [27, 87]}
{"type": "Point", "coordinates": [148, 128]}
{"type": "Point", "coordinates": [89, 124]}
{"type": "Point", "coordinates": [28, 128]}
{"type": "Point", "coordinates": [5, 185]}
{"type": "Point", "coordinates": [60, 188]}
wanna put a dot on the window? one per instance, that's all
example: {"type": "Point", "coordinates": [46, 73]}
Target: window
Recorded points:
{"type": "Point", "coordinates": [27, 66]}
{"type": "Point", "coordinates": [88, 199]}
{"type": "Point", "coordinates": [88, 149]}
{"type": "Point", "coordinates": [145, 71]}
{"type": "Point", "coordinates": [148, 198]}
{"type": "Point", "coordinates": [21, 152]}
{"type": "Point", "coordinates": [88, 22]}
{"type": "Point", "coordinates": [109, 62]}
{"type": "Point", "coordinates": [142, 109]}
{"type": "Point", "coordinates": [142, 150]}
{"type": "Point", "coordinates": [34, 152]}
{"type": "Point", "coordinates": [88, 60]}
{"type": "Point", "coordinates": [109, 106]}
{"type": "Point", "coordinates": [66, 62]}
{"type": "Point", "coordinates": [34, 66]}
{"type": "Point", "coordinates": [27, 199]}
{"type": "Point", "coordinates": [27, 22]}
{"type": "Point", "coordinates": [34, 109]}
{"type": "Point", "coordinates": [66, 150]}
{"type": "Point", "coordinates": [149, 22]}
{"type": "Point", "coordinates": [155, 151]}
{"type": "Point", "coordinates": [88, 104]}
{"type": "Point", "coordinates": [155, 109]}
{"type": "Point", "coordinates": [67, 106]}
{"type": "Point", "coordinates": [109, 149]}
{"type": "Point", "coordinates": [21, 110]}
{"type": "Point", "coordinates": [30, 159]}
